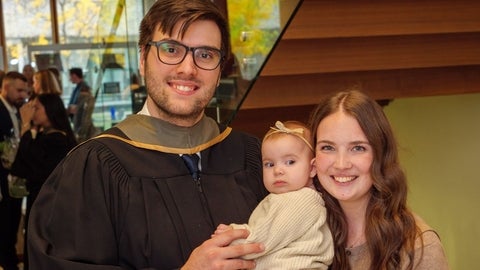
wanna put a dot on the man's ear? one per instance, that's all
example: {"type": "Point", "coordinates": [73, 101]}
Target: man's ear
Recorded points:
{"type": "Point", "coordinates": [141, 65]}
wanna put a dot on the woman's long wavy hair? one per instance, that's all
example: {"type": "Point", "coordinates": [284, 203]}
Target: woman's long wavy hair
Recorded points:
{"type": "Point", "coordinates": [390, 228]}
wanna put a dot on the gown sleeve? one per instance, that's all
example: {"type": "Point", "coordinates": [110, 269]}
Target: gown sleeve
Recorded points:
{"type": "Point", "coordinates": [71, 221]}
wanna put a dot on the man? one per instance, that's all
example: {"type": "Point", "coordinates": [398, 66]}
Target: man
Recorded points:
{"type": "Point", "coordinates": [76, 77]}
{"type": "Point", "coordinates": [127, 199]}
{"type": "Point", "coordinates": [13, 94]}
{"type": "Point", "coordinates": [81, 106]}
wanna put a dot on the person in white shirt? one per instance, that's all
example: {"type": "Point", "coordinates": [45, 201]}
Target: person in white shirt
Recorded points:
{"type": "Point", "coordinates": [13, 94]}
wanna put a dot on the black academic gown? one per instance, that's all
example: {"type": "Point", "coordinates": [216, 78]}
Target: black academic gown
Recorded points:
{"type": "Point", "coordinates": [116, 203]}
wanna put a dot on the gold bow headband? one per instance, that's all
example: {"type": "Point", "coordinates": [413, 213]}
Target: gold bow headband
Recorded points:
{"type": "Point", "coordinates": [280, 128]}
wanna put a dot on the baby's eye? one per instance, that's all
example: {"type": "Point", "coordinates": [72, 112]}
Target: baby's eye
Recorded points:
{"type": "Point", "coordinates": [290, 162]}
{"type": "Point", "coordinates": [268, 164]}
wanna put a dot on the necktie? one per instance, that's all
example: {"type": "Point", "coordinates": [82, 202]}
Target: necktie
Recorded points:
{"type": "Point", "coordinates": [191, 161]}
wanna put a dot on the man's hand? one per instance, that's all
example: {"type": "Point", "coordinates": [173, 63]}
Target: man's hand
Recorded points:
{"type": "Point", "coordinates": [221, 229]}
{"type": "Point", "coordinates": [216, 253]}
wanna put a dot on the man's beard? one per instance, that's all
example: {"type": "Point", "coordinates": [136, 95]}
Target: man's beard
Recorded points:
{"type": "Point", "coordinates": [166, 106]}
{"type": "Point", "coordinates": [19, 102]}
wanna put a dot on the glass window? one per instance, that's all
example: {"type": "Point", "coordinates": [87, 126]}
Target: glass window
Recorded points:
{"type": "Point", "coordinates": [77, 20]}
{"type": "Point", "coordinates": [99, 36]}
{"type": "Point", "coordinates": [108, 55]}
{"type": "Point", "coordinates": [26, 22]}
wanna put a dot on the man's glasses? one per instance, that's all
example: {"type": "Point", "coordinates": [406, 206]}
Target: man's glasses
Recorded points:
{"type": "Point", "coordinates": [172, 53]}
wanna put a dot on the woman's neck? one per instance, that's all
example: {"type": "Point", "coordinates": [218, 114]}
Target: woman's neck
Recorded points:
{"type": "Point", "coordinates": [355, 212]}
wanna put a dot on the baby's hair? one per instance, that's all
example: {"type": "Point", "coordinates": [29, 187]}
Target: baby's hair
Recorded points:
{"type": "Point", "coordinates": [295, 128]}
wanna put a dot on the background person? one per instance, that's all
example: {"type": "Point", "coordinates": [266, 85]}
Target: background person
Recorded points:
{"type": "Point", "coordinates": [13, 94]}
{"type": "Point", "coordinates": [81, 107]}
{"type": "Point", "coordinates": [365, 189]}
{"type": "Point", "coordinates": [76, 77]}
{"type": "Point", "coordinates": [54, 70]}
{"type": "Point", "coordinates": [28, 72]}
{"type": "Point", "coordinates": [42, 146]}
{"type": "Point", "coordinates": [103, 205]}
{"type": "Point", "coordinates": [291, 220]}
{"type": "Point", "coordinates": [44, 82]}
{"type": "Point", "coordinates": [82, 119]}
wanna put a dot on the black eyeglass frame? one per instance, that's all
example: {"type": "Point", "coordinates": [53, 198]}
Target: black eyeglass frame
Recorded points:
{"type": "Point", "coordinates": [188, 49]}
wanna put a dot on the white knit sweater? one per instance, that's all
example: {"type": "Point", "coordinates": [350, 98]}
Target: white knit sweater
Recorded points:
{"type": "Point", "coordinates": [292, 227]}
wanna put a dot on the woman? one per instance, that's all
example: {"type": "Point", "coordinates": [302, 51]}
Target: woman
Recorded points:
{"type": "Point", "coordinates": [43, 145]}
{"type": "Point", "coordinates": [45, 82]}
{"type": "Point", "coordinates": [365, 189]}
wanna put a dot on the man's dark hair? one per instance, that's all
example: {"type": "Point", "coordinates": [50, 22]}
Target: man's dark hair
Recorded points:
{"type": "Point", "coordinates": [14, 75]}
{"type": "Point", "coordinates": [77, 71]}
{"type": "Point", "coordinates": [165, 14]}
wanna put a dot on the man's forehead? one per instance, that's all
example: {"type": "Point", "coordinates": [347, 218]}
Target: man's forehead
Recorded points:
{"type": "Point", "coordinates": [20, 85]}
{"type": "Point", "coordinates": [179, 33]}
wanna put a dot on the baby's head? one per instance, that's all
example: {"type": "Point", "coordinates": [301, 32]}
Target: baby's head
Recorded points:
{"type": "Point", "coordinates": [287, 155]}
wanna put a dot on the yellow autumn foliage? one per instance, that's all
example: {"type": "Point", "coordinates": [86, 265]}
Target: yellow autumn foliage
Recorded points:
{"type": "Point", "coordinates": [245, 18]}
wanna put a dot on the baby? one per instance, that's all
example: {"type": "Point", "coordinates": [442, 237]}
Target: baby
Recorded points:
{"type": "Point", "coordinates": [291, 220]}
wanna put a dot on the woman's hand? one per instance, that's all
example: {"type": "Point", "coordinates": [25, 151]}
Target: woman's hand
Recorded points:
{"type": "Point", "coordinates": [26, 112]}
{"type": "Point", "coordinates": [216, 253]}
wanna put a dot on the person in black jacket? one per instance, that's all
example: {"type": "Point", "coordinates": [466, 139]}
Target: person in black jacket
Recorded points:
{"type": "Point", "coordinates": [42, 146]}
{"type": "Point", "coordinates": [13, 94]}
{"type": "Point", "coordinates": [125, 199]}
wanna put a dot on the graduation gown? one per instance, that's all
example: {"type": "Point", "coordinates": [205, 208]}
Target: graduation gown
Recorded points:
{"type": "Point", "coordinates": [126, 200]}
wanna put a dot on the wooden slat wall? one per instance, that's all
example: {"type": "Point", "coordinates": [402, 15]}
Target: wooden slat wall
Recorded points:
{"type": "Point", "coordinates": [392, 49]}
{"type": "Point", "coordinates": [311, 56]}
{"type": "Point", "coordinates": [330, 19]}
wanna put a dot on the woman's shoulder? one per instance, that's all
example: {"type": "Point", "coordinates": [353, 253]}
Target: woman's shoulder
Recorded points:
{"type": "Point", "coordinates": [421, 224]}
{"type": "Point", "coordinates": [423, 227]}
{"type": "Point", "coordinates": [433, 255]}
{"type": "Point", "coordinates": [429, 235]}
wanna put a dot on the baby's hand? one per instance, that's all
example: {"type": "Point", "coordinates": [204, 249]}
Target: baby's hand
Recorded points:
{"type": "Point", "coordinates": [221, 229]}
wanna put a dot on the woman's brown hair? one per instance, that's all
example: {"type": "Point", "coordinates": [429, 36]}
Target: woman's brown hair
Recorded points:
{"type": "Point", "coordinates": [48, 82]}
{"type": "Point", "coordinates": [390, 226]}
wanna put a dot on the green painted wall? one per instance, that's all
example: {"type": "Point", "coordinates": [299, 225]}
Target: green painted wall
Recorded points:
{"type": "Point", "coordinates": [439, 139]}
